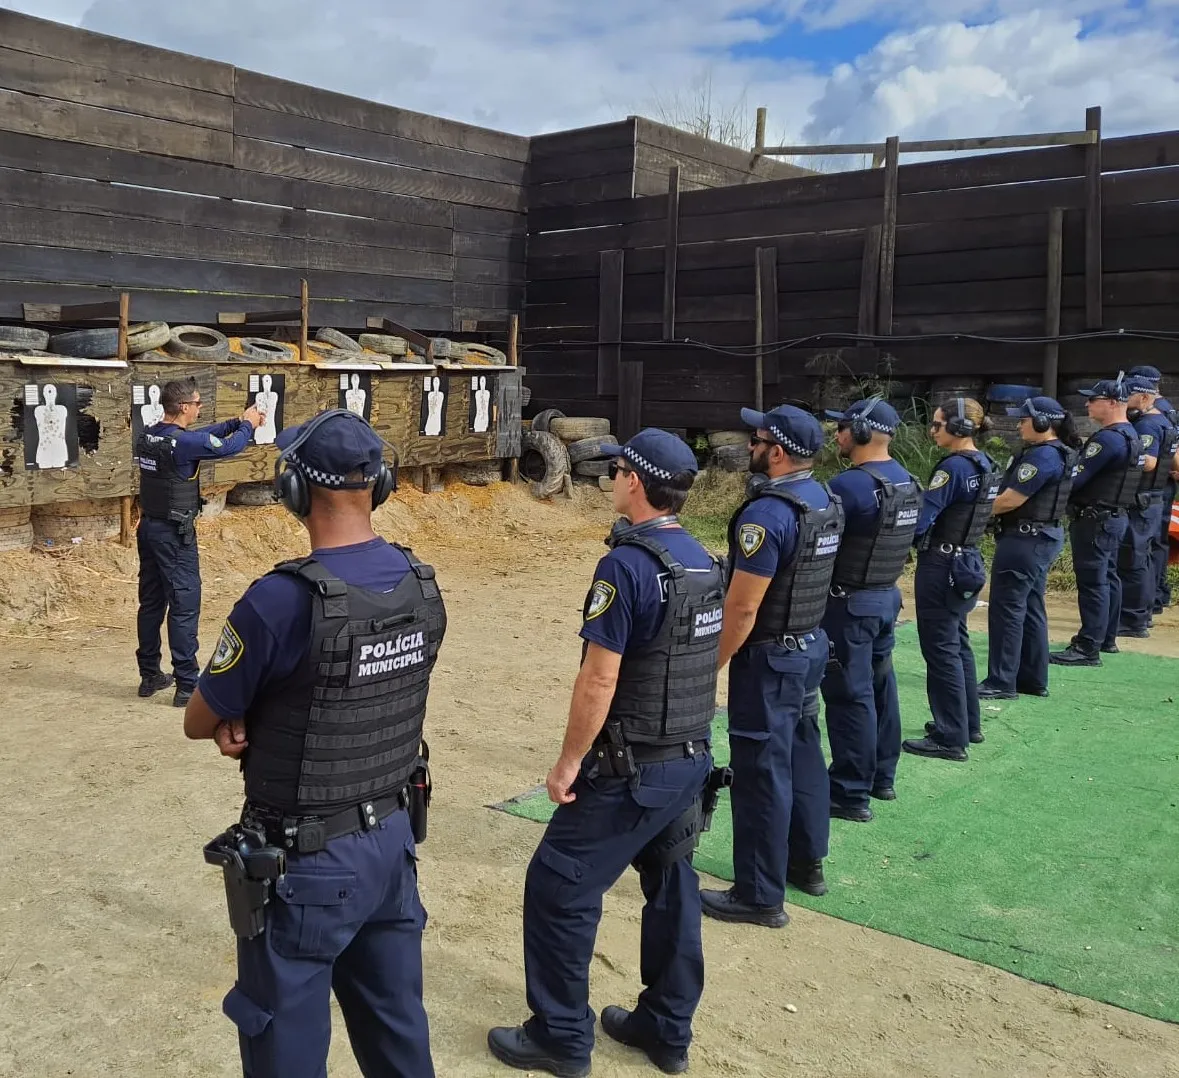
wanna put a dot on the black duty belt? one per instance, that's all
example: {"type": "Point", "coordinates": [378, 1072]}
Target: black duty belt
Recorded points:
{"type": "Point", "coordinates": [657, 754]}
{"type": "Point", "coordinates": [842, 591]}
{"type": "Point", "coordinates": [1026, 527]}
{"type": "Point", "coordinates": [309, 834]}
{"type": "Point", "coordinates": [789, 641]}
{"type": "Point", "coordinates": [1096, 512]}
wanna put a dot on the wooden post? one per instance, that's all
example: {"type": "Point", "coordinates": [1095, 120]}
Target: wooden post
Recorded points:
{"type": "Point", "coordinates": [124, 321]}
{"type": "Point", "coordinates": [125, 520]}
{"type": "Point", "coordinates": [304, 317]}
{"type": "Point", "coordinates": [610, 277]}
{"type": "Point", "coordinates": [765, 298]}
{"type": "Point", "coordinates": [514, 360]}
{"type": "Point", "coordinates": [1052, 303]}
{"type": "Point", "coordinates": [759, 138]}
{"type": "Point", "coordinates": [1093, 315]}
{"type": "Point", "coordinates": [630, 398]}
{"type": "Point", "coordinates": [671, 252]}
{"type": "Point", "coordinates": [869, 294]}
{"type": "Point", "coordinates": [888, 237]}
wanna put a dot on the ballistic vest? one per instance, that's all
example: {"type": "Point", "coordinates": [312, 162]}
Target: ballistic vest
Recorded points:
{"type": "Point", "coordinates": [877, 559]}
{"type": "Point", "coordinates": [796, 598]}
{"type": "Point", "coordinates": [1115, 487]}
{"type": "Point", "coordinates": [162, 490]}
{"type": "Point", "coordinates": [666, 691]}
{"type": "Point", "coordinates": [963, 523]}
{"type": "Point", "coordinates": [346, 726]}
{"type": "Point", "coordinates": [1157, 480]}
{"type": "Point", "coordinates": [1047, 505]}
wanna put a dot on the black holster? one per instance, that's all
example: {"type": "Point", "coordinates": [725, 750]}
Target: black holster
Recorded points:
{"type": "Point", "coordinates": [185, 524]}
{"type": "Point", "coordinates": [614, 759]}
{"type": "Point", "coordinates": [719, 778]}
{"type": "Point", "coordinates": [420, 789]}
{"type": "Point", "coordinates": [251, 867]}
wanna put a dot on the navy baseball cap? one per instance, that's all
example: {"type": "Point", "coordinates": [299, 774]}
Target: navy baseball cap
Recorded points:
{"type": "Point", "coordinates": [1147, 374]}
{"type": "Point", "coordinates": [336, 448]}
{"type": "Point", "coordinates": [1137, 383]}
{"type": "Point", "coordinates": [882, 415]}
{"type": "Point", "coordinates": [796, 431]}
{"type": "Point", "coordinates": [1108, 389]}
{"type": "Point", "coordinates": [654, 452]}
{"type": "Point", "coordinates": [1045, 406]}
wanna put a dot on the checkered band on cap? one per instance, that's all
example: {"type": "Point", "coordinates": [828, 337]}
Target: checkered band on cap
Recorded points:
{"type": "Point", "coordinates": [642, 462]}
{"type": "Point", "coordinates": [323, 479]}
{"type": "Point", "coordinates": [884, 428]}
{"type": "Point", "coordinates": [790, 444]}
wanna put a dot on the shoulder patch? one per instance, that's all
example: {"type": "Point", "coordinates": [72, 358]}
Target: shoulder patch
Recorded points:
{"type": "Point", "coordinates": [1025, 472]}
{"type": "Point", "coordinates": [939, 479]}
{"type": "Point", "coordinates": [600, 597]}
{"type": "Point", "coordinates": [229, 649]}
{"type": "Point", "coordinates": [214, 442]}
{"type": "Point", "coordinates": [1092, 449]}
{"type": "Point", "coordinates": [1147, 441]}
{"type": "Point", "coordinates": [750, 538]}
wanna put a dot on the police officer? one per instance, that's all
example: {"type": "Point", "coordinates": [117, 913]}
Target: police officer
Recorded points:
{"type": "Point", "coordinates": [782, 546]}
{"type": "Point", "coordinates": [950, 574]}
{"type": "Point", "coordinates": [1160, 545]}
{"type": "Point", "coordinates": [629, 780]}
{"type": "Point", "coordinates": [319, 684]}
{"type": "Point", "coordinates": [168, 455]}
{"type": "Point", "coordinates": [881, 504]}
{"type": "Point", "coordinates": [1138, 565]}
{"type": "Point", "coordinates": [1029, 512]}
{"type": "Point", "coordinates": [1105, 486]}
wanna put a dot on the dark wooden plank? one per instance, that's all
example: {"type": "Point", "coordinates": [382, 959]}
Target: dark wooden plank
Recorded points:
{"type": "Point", "coordinates": [767, 303]}
{"type": "Point", "coordinates": [624, 210]}
{"type": "Point", "coordinates": [599, 137]}
{"type": "Point", "coordinates": [1052, 300]}
{"type": "Point", "coordinates": [488, 296]}
{"type": "Point", "coordinates": [488, 271]}
{"type": "Point", "coordinates": [869, 281]}
{"type": "Point", "coordinates": [571, 192]}
{"type": "Point", "coordinates": [687, 147]}
{"type": "Point", "coordinates": [1093, 221]}
{"type": "Point", "coordinates": [23, 114]}
{"type": "Point", "coordinates": [253, 155]}
{"type": "Point", "coordinates": [582, 165]}
{"type": "Point", "coordinates": [47, 76]}
{"type": "Point", "coordinates": [510, 248]}
{"type": "Point", "coordinates": [369, 145]}
{"type": "Point", "coordinates": [671, 252]}
{"type": "Point", "coordinates": [888, 237]}
{"type": "Point", "coordinates": [278, 95]}
{"type": "Point", "coordinates": [477, 219]}
{"type": "Point", "coordinates": [42, 37]}
{"type": "Point", "coordinates": [610, 285]}
{"type": "Point", "coordinates": [630, 398]}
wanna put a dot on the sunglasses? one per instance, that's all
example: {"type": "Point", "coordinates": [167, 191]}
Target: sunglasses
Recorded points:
{"type": "Point", "coordinates": [754, 440]}
{"type": "Point", "coordinates": [614, 470]}
{"type": "Point", "coordinates": [937, 424]}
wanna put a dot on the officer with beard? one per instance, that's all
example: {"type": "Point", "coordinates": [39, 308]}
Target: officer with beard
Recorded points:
{"type": "Point", "coordinates": [782, 546]}
{"type": "Point", "coordinates": [629, 780]}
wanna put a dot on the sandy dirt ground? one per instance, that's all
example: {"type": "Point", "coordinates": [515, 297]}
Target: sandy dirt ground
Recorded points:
{"type": "Point", "coordinates": [115, 950]}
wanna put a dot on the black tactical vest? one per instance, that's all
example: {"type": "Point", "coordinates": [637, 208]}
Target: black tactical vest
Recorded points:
{"type": "Point", "coordinates": [1047, 505]}
{"type": "Point", "coordinates": [162, 490]}
{"type": "Point", "coordinates": [346, 727]}
{"type": "Point", "coordinates": [876, 560]}
{"type": "Point", "coordinates": [796, 599]}
{"type": "Point", "coordinates": [1161, 476]}
{"type": "Point", "coordinates": [1115, 487]}
{"type": "Point", "coordinates": [666, 692]}
{"type": "Point", "coordinates": [963, 523]}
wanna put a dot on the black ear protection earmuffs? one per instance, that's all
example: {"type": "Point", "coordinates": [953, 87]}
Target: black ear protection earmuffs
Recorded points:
{"type": "Point", "coordinates": [1041, 424]}
{"type": "Point", "coordinates": [960, 425]}
{"type": "Point", "coordinates": [861, 431]}
{"type": "Point", "coordinates": [294, 491]}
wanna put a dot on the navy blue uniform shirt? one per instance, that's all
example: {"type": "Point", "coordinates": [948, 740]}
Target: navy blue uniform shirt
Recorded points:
{"type": "Point", "coordinates": [1154, 429]}
{"type": "Point", "coordinates": [1105, 449]}
{"type": "Point", "coordinates": [862, 496]}
{"type": "Point", "coordinates": [207, 443]}
{"type": "Point", "coordinates": [628, 597]}
{"type": "Point", "coordinates": [1039, 465]}
{"type": "Point", "coordinates": [267, 634]}
{"type": "Point", "coordinates": [767, 530]}
{"type": "Point", "coordinates": [956, 478]}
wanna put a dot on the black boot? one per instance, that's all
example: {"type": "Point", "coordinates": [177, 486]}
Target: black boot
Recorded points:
{"type": "Point", "coordinates": [884, 793]}
{"type": "Point", "coordinates": [935, 750]}
{"type": "Point", "coordinates": [617, 1024]}
{"type": "Point", "coordinates": [988, 692]}
{"type": "Point", "coordinates": [182, 697]}
{"type": "Point", "coordinates": [153, 683]}
{"type": "Point", "coordinates": [977, 737]}
{"type": "Point", "coordinates": [807, 876]}
{"type": "Point", "coordinates": [513, 1046]}
{"type": "Point", "coordinates": [855, 813]}
{"type": "Point", "coordinates": [1075, 656]}
{"type": "Point", "coordinates": [726, 906]}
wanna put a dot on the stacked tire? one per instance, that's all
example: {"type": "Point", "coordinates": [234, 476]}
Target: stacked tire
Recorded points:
{"type": "Point", "coordinates": [1004, 395]}
{"type": "Point", "coordinates": [729, 450]}
{"type": "Point", "coordinates": [584, 438]}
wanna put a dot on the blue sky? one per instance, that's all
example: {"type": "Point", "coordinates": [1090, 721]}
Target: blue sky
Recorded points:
{"type": "Point", "coordinates": [828, 70]}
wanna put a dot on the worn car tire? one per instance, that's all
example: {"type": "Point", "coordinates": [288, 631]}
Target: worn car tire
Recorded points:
{"type": "Point", "coordinates": [544, 461]}
{"type": "Point", "coordinates": [198, 343]}
{"type": "Point", "coordinates": [592, 469]}
{"type": "Point", "coordinates": [577, 428]}
{"type": "Point", "coordinates": [147, 337]}
{"type": "Point", "coordinates": [22, 339]}
{"type": "Point", "coordinates": [336, 339]}
{"type": "Point", "coordinates": [525, 396]}
{"type": "Point", "coordinates": [541, 420]}
{"type": "Point", "coordinates": [585, 449]}
{"type": "Point", "coordinates": [731, 458]}
{"type": "Point", "coordinates": [252, 494]}
{"type": "Point", "coordinates": [86, 343]}
{"type": "Point", "coordinates": [482, 473]}
{"type": "Point", "coordinates": [266, 350]}
{"type": "Point", "coordinates": [384, 343]}
{"type": "Point", "coordinates": [719, 438]}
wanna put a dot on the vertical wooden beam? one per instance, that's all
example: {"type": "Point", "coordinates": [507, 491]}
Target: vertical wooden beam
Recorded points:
{"type": "Point", "coordinates": [869, 295]}
{"type": "Point", "coordinates": [630, 398]}
{"type": "Point", "coordinates": [1052, 302]}
{"type": "Point", "coordinates": [514, 360]}
{"type": "Point", "coordinates": [888, 237]}
{"type": "Point", "coordinates": [759, 137]}
{"type": "Point", "coordinates": [125, 520]}
{"type": "Point", "coordinates": [765, 293]}
{"type": "Point", "coordinates": [304, 317]}
{"type": "Point", "coordinates": [671, 253]}
{"type": "Point", "coordinates": [1093, 315]}
{"type": "Point", "coordinates": [124, 321]}
{"type": "Point", "coordinates": [609, 321]}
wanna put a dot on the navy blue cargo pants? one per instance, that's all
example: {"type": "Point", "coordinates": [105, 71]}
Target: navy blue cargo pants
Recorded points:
{"type": "Point", "coordinates": [863, 712]}
{"type": "Point", "coordinates": [1017, 623]}
{"type": "Point", "coordinates": [587, 846]}
{"type": "Point", "coordinates": [781, 795]}
{"type": "Point", "coordinates": [346, 919]}
{"type": "Point", "coordinates": [1095, 542]}
{"type": "Point", "coordinates": [1160, 550]}
{"type": "Point", "coordinates": [1136, 567]}
{"type": "Point", "coordinates": [169, 585]}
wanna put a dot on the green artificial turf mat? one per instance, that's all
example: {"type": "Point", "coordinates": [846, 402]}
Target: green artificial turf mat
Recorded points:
{"type": "Point", "coordinates": [1052, 853]}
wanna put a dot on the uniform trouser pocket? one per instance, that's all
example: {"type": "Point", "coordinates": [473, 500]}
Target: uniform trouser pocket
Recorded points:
{"type": "Point", "coordinates": [252, 1023]}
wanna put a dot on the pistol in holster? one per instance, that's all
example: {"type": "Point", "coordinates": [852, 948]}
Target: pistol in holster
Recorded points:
{"type": "Point", "coordinates": [420, 789]}
{"type": "Point", "coordinates": [185, 524]}
{"type": "Point", "coordinates": [720, 778]}
{"type": "Point", "coordinates": [613, 756]}
{"type": "Point", "coordinates": [251, 868]}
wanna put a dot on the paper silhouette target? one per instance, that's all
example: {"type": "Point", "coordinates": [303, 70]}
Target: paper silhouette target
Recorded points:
{"type": "Point", "coordinates": [479, 412]}
{"type": "Point", "coordinates": [356, 394]}
{"type": "Point", "coordinates": [267, 393]}
{"type": "Point", "coordinates": [433, 416]}
{"type": "Point", "coordinates": [51, 426]}
{"type": "Point", "coordinates": [146, 409]}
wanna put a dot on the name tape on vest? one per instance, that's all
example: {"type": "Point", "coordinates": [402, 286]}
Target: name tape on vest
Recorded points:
{"type": "Point", "coordinates": [905, 517]}
{"type": "Point", "coordinates": [826, 546]}
{"type": "Point", "coordinates": [707, 623]}
{"type": "Point", "coordinates": [379, 656]}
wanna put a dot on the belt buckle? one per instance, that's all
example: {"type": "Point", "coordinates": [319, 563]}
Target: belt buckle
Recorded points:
{"type": "Point", "coordinates": [838, 591]}
{"type": "Point", "coordinates": [790, 643]}
{"type": "Point", "coordinates": [1025, 528]}
{"type": "Point", "coordinates": [946, 548]}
